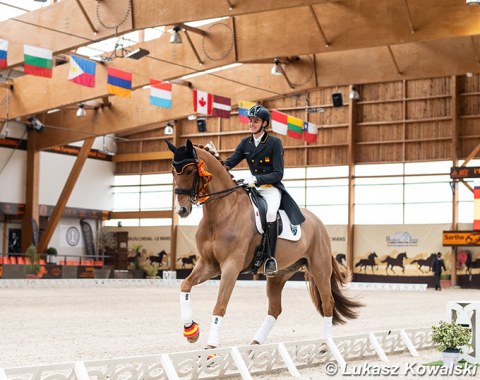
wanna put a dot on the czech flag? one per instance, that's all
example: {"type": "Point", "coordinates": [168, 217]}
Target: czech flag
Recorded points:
{"type": "Point", "coordinates": [82, 71]}
{"type": "Point", "coordinates": [119, 82]}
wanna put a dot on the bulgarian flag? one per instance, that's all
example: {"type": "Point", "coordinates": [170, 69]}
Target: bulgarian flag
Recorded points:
{"type": "Point", "coordinates": [38, 61]}
{"type": "Point", "coordinates": [295, 127]}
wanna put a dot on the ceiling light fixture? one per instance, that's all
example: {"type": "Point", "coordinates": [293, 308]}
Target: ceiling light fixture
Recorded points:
{"type": "Point", "coordinates": [81, 110]}
{"type": "Point", "coordinates": [473, 2]}
{"type": "Point", "coordinates": [168, 129]}
{"type": "Point", "coordinates": [36, 124]}
{"type": "Point", "coordinates": [354, 95]}
{"type": "Point", "coordinates": [137, 53]}
{"type": "Point", "coordinates": [276, 69]}
{"type": "Point", "coordinates": [175, 37]}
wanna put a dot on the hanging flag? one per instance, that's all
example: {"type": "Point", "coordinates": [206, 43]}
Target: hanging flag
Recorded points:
{"type": "Point", "coordinates": [202, 102]}
{"type": "Point", "coordinates": [222, 106]}
{"type": "Point", "coordinates": [38, 61]}
{"type": "Point", "coordinates": [295, 127]}
{"type": "Point", "coordinates": [160, 93]}
{"type": "Point", "coordinates": [243, 107]}
{"type": "Point", "coordinates": [310, 132]}
{"type": "Point", "coordinates": [119, 82]}
{"type": "Point", "coordinates": [279, 122]}
{"type": "Point", "coordinates": [476, 208]}
{"type": "Point", "coordinates": [82, 71]}
{"type": "Point", "coordinates": [3, 54]}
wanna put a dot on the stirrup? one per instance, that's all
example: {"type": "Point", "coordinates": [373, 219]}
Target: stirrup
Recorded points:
{"type": "Point", "coordinates": [270, 272]}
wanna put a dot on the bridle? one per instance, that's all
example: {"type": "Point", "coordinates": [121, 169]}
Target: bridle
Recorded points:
{"type": "Point", "coordinates": [201, 178]}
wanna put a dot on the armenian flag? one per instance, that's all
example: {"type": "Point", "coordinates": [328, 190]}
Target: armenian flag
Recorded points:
{"type": "Point", "coordinates": [37, 61]}
{"type": "Point", "coordinates": [119, 82]}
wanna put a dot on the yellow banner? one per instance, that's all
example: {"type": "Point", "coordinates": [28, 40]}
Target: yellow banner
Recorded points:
{"type": "Point", "coordinates": [466, 238]}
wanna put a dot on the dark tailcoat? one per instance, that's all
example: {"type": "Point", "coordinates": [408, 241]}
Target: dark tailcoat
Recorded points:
{"type": "Point", "coordinates": [266, 164]}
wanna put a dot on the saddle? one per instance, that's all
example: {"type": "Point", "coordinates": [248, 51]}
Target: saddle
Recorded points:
{"type": "Point", "coordinates": [260, 211]}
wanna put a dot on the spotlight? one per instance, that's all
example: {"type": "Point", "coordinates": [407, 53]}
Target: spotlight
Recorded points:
{"type": "Point", "coordinates": [192, 117]}
{"type": "Point", "coordinates": [168, 129]}
{"type": "Point", "coordinates": [81, 110]}
{"type": "Point", "coordinates": [469, 74]}
{"type": "Point", "coordinates": [202, 124]}
{"type": "Point", "coordinates": [473, 2]}
{"type": "Point", "coordinates": [138, 53]}
{"type": "Point", "coordinates": [276, 70]}
{"type": "Point", "coordinates": [354, 95]}
{"type": "Point", "coordinates": [175, 38]}
{"type": "Point", "coordinates": [36, 124]}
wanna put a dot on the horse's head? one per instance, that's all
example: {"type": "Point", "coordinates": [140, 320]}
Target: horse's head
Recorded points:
{"type": "Point", "coordinates": [187, 176]}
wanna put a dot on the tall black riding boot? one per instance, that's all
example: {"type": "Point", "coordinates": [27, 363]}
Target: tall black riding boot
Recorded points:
{"type": "Point", "coordinates": [271, 263]}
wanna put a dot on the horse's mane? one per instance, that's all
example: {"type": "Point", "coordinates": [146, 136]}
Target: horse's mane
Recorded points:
{"type": "Point", "coordinates": [215, 155]}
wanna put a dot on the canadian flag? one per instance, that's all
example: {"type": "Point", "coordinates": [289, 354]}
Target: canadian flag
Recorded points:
{"type": "Point", "coordinates": [202, 102]}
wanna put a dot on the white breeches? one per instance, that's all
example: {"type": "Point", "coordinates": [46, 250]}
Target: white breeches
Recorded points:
{"type": "Point", "coordinates": [273, 196]}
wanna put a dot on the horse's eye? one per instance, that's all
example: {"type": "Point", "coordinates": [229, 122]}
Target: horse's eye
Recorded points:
{"type": "Point", "coordinates": [188, 171]}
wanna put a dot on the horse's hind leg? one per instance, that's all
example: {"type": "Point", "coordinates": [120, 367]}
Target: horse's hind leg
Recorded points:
{"type": "Point", "coordinates": [274, 293]}
{"type": "Point", "coordinates": [200, 273]}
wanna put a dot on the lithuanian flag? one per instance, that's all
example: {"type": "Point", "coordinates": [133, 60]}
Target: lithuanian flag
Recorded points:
{"type": "Point", "coordinates": [295, 127]}
{"type": "Point", "coordinates": [38, 61]}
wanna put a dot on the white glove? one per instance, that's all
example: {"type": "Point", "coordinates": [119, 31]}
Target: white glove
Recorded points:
{"type": "Point", "coordinates": [250, 180]}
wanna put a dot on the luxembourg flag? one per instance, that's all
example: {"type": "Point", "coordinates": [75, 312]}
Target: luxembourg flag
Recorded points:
{"type": "Point", "coordinates": [37, 61]}
{"type": "Point", "coordinates": [82, 71]}
{"type": "Point", "coordinates": [310, 132]}
{"type": "Point", "coordinates": [202, 102]}
{"type": "Point", "coordinates": [3, 54]}
{"type": "Point", "coordinates": [160, 93]}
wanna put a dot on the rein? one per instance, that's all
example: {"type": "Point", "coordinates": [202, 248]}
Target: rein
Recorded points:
{"type": "Point", "coordinates": [197, 197]}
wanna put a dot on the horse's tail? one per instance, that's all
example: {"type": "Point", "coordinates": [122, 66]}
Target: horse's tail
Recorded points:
{"type": "Point", "coordinates": [345, 307]}
{"type": "Point", "coordinates": [384, 261]}
{"type": "Point", "coordinates": [415, 261]}
{"type": "Point", "coordinates": [358, 264]}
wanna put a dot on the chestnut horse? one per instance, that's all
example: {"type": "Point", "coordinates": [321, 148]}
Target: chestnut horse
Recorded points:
{"type": "Point", "coordinates": [226, 240]}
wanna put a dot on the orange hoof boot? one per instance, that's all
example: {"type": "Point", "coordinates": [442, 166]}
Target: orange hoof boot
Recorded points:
{"type": "Point", "coordinates": [192, 332]}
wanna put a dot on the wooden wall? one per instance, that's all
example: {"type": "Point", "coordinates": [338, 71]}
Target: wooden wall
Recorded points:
{"type": "Point", "coordinates": [402, 121]}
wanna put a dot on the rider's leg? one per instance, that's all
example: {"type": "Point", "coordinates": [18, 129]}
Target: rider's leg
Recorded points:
{"type": "Point", "coordinates": [273, 197]}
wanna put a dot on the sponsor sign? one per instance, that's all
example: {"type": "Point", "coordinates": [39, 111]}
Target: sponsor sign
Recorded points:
{"type": "Point", "coordinates": [461, 238]}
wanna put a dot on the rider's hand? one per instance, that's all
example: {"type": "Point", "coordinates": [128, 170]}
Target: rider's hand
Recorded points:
{"type": "Point", "coordinates": [251, 180]}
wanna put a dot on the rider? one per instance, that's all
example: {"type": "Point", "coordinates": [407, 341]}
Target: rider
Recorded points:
{"type": "Point", "coordinates": [264, 155]}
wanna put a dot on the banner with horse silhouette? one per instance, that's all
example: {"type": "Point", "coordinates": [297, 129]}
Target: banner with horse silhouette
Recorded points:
{"type": "Point", "coordinates": [404, 253]}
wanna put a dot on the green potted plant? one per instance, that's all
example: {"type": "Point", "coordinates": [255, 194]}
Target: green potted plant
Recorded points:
{"type": "Point", "coordinates": [32, 268]}
{"type": "Point", "coordinates": [51, 252]}
{"type": "Point", "coordinates": [451, 338]}
{"type": "Point", "coordinates": [151, 269]}
{"type": "Point", "coordinates": [134, 264]}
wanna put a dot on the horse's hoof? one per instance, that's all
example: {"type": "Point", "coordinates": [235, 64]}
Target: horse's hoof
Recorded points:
{"type": "Point", "coordinates": [192, 332]}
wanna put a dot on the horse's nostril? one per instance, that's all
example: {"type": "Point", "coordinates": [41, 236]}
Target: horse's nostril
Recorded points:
{"type": "Point", "coordinates": [182, 210]}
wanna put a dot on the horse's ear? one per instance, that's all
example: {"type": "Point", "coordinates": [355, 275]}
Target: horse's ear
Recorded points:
{"type": "Point", "coordinates": [172, 147]}
{"type": "Point", "coordinates": [189, 146]}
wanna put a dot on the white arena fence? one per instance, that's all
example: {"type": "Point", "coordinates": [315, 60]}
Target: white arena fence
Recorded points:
{"type": "Point", "coordinates": [172, 282]}
{"type": "Point", "coordinates": [241, 361]}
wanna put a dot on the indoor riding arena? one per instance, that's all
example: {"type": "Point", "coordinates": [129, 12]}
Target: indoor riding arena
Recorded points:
{"type": "Point", "coordinates": [239, 189]}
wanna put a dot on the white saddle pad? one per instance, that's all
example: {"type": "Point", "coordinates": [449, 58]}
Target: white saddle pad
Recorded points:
{"type": "Point", "coordinates": [290, 231]}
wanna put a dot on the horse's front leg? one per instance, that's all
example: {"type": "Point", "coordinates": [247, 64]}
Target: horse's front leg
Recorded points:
{"type": "Point", "coordinates": [230, 272]}
{"type": "Point", "coordinates": [200, 273]}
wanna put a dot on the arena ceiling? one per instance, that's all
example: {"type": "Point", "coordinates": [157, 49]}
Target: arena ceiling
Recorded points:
{"type": "Point", "coordinates": [323, 43]}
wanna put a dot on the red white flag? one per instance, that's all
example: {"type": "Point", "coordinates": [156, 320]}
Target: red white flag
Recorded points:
{"type": "Point", "coordinates": [221, 106]}
{"type": "Point", "coordinates": [476, 208]}
{"type": "Point", "coordinates": [202, 102]}
{"type": "Point", "coordinates": [279, 122]}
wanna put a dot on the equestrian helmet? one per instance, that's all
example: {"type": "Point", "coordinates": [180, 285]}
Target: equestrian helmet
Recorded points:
{"type": "Point", "coordinates": [261, 112]}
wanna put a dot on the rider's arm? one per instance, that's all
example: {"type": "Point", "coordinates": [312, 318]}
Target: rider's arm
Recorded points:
{"type": "Point", "coordinates": [276, 174]}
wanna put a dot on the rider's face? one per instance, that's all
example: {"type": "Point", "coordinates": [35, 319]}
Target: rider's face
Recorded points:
{"type": "Point", "coordinates": [255, 124]}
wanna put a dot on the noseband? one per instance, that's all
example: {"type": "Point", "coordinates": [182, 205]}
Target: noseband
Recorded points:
{"type": "Point", "coordinates": [200, 181]}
